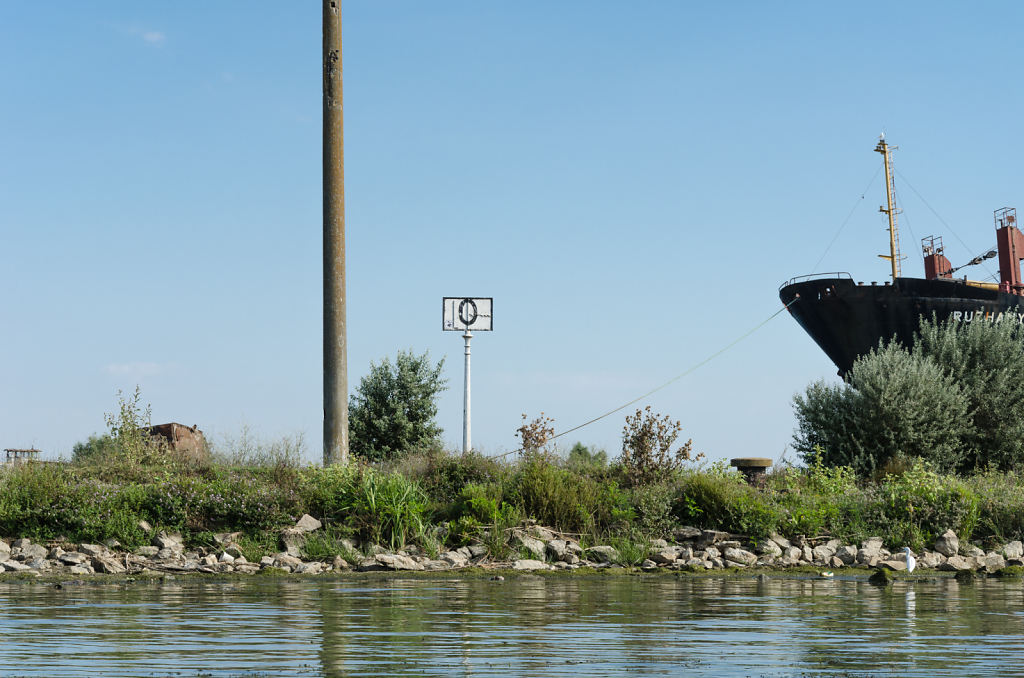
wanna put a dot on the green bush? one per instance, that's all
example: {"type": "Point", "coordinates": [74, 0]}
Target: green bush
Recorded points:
{"type": "Point", "coordinates": [722, 500]}
{"type": "Point", "coordinates": [392, 413]}
{"type": "Point", "coordinates": [895, 404]}
{"type": "Point", "coordinates": [986, 359]}
{"type": "Point", "coordinates": [565, 500]}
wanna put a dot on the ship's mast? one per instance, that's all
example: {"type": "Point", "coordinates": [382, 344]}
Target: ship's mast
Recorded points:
{"type": "Point", "coordinates": [894, 236]}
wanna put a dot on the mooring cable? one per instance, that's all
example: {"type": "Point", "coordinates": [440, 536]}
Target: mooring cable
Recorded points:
{"type": "Point", "coordinates": [671, 381]}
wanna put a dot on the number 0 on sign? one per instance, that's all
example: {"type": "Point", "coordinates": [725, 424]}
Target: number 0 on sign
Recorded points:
{"type": "Point", "coordinates": [468, 313]}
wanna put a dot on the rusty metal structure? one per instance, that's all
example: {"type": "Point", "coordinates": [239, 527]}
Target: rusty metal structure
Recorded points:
{"type": "Point", "coordinates": [187, 442]}
{"type": "Point", "coordinates": [335, 342]}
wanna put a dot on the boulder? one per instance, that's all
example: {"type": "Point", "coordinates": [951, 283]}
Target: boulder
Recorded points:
{"type": "Point", "coordinates": [779, 540]}
{"type": "Point", "coordinates": [557, 549]}
{"type": "Point", "coordinates": [709, 537]}
{"type": "Point", "coordinates": [107, 565]}
{"type": "Point", "coordinates": [602, 554]}
{"type": "Point", "coordinates": [34, 552]}
{"type": "Point", "coordinates": [894, 565]}
{"type": "Point", "coordinates": [739, 556]}
{"type": "Point", "coordinates": [872, 545]}
{"type": "Point", "coordinates": [664, 557]}
{"type": "Point", "coordinates": [292, 539]}
{"type": "Point", "coordinates": [957, 564]}
{"type": "Point", "coordinates": [807, 554]}
{"type": "Point", "coordinates": [436, 565]}
{"type": "Point", "coordinates": [5, 549]}
{"type": "Point", "coordinates": [658, 544]}
{"type": "Point", "coordinates": [91, 549]}
{"type": "Point", "coordinates": [847, 554]}
{"type": "Point", "coordinates": [769, 547]}
{"type": "Point", "coordinates": [792, 553]}
{"type": "Point", "coordinates": [314, 567]}
{"type": "Point", "coordinates": [534, 546]}
{"type": "Point", "coordinates": [455, 559]}
{"type": "Point", "coordinates": [1014, 549]}
{"type": "Point", "coordinates": [648, 564]}
{"type": "Point", "coordinates": [930, 560]}
{"type": "Point", "coordinates": [685, 533]}
{"type": "Point", "coordinates": [948, 544]}
{"type": "Point", "coordinates": [14, 566]}
{"type": "Point", "coordinates": [308, 523]}
{"type": "Point", "coordinates": [73, 558]}
{"type": "Point", "coordinates": [542, 533]}
{"type": "Point", "coordinates": [147, 551]}
{"type": "Point", "coordinates": [529, 564]}
{"type": "Point", "coordinates": [712, 552]}
{"type": "Point", "coordinates": [992, 562]}
{"type": "Point", "coordinates": [395, 561]}
{"type": "Point", "coordinates": [172, 541]}
{"type": "Point", "coordinates": [823, 553]}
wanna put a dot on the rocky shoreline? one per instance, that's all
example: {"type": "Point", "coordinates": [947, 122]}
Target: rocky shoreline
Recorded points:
{"type": "Point", "coordinates": [691, 550]}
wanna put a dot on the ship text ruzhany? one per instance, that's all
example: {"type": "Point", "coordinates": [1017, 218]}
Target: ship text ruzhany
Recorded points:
{"type": "Point", "coordinates": [986, 316]}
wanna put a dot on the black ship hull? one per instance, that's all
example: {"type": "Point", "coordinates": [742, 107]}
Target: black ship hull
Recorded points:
{"type": "Point", "coordinates": [847, 319]}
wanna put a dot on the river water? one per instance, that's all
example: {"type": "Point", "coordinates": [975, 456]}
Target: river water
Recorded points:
{"type": "Point", "coordinates": [651, 625]}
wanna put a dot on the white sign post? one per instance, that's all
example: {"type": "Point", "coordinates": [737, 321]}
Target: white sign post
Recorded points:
{"type": "Point", "coordinates": [466, 314]}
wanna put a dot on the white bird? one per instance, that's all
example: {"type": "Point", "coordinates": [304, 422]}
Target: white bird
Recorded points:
{"type": "Point", "coordinates": [911, 560]}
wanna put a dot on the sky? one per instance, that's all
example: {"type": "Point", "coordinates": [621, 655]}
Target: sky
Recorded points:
{"type": "Point", "coordinates": [630, 181]}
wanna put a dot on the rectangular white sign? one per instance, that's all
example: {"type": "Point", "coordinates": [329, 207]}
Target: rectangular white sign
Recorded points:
{"type": "Point", "coordinates": [467, 313]}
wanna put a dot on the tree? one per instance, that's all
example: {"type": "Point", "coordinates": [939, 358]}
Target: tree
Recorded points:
{"type": "Point", "coordinates": [647, 455]}
{"type": "Point", "coordinates": [895, 404]}
{"type": "Point", "coordinates": [393, 410]}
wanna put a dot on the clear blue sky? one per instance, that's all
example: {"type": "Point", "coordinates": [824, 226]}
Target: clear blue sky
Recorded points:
{"type": "Point", "coordinates": [630, 181]}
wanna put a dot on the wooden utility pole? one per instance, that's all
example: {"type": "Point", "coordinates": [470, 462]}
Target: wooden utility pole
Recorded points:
{"type": "Point", "coordinates": [335, 345]}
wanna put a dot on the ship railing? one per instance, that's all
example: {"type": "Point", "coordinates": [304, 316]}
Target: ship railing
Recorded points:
{"type": "Point", "coordinates": [815, 276]}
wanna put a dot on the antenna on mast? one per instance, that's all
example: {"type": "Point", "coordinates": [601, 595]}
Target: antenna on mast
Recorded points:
{"type": "Point", "coordinates": [891, 210]}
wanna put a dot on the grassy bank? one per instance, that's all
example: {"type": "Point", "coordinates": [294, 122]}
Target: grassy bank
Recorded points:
{"type": "Point", "coordinates": [438, 500]}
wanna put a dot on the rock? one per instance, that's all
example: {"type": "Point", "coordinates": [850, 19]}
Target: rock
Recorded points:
{"type": "Point", "coordinates": [779, 540]}
{"type": "Point", "coordinates": [21, 543]}
{"type": "Point", "coordinates": [147, 551]}
{"type": "Point", "coordinates": [965, 576]}
{"type": "Point", "coordinates": [112, 544]}
{"type": "Point", "coordinates": [395, 561]}
{"type": "Point", "coordinates": [340, 564]}
{"type": "Point", "coordinates": [872, 546]}
{"type": "Point", "coordinates": [658, 544]}
{"type": "Point", "coordinates": [729, 544]}
{"type": "Point", "coordinates": [602, 554]}
{"type": "Point", "coordinates": [246, 568]}
{"type": "Point", "coordinates": [542, 533]}
{"type": "Point", "coordinates": [646, 565]}
{"type": "Point", "coordinates": [847, 554]}
{"type": "Point", "coordinates": [73, 558]}
{"type": "Point", "coordinates": [992, 562]}
{"type": "Point", "coordinates": [807, 554]}
{"type": "Point", "coordinates": [168, 554]}
{"type": "Point", "coordinates": [894, 565]}
{"type": "Point", "coordinates": [974, 552]}
{"type": "Point", "coordinates": [930, 560]}
{"type": "Point", "coordinates": [1014, 549]}
{"type": "Point", "coordinates": [823, 553]}
{"type": "Point", "coordinates": [265, 561]}
{"type": "Point", "coordinates": [664, 556]}
{"type": "Point", "coordinates": [948, 544]}
{"type": "Point", "coordinates": [956, 564]}
{"type": "Point", "coordinates": [557, 549]}
{"type": "Point", "coordinates": [79, 569]}
{"type": "Point", "coordinates": [91, 549]}
{"type": "Point", "coordinates": [716, 564]}
{"type": "Point", "coordinates": [769, 547]}
{"type": "Point", "coordinates": [292, 539]}
{"type": "Point", "coordinates": [15, 566]}
{"type": "Point", "coordinates": [31, 552]}
{"type": "Point", "coordinates": [836, 562]}
{"type": "Point", "coordinates": [171, 541]}
{"type": "Point", "coordinates": [225, 558]}
{"type": "Point", "coordinates": [534, 546]}
{"type": "Point", "coordinates": [5, 550]}
{"type": "Point", "coordinates": [709, 537]}
{"type": "Point", "coordinates": [712, 552]}
{"type": "Point", "coordinates": [313, 567]}
{"type": "Point", "coordinates": [792, 553]}
{"type": "Point", "coordinates": [211, 559]}
{"type": "Point", "coordinates": [685, 533]}
{"type": "Point", "coordinates": [107, 565]}
{"type": "Point", "coordinates": [286, 560]}
{"type": "Point", "coordinates": [735, 555]}
{"type": "Point", "coordinates": [477, 550]}
{"type": "Point", "coordinates": [234, 551]}
{"type": "Point", "coordinates": [144, 526]}
{"type": "Point", "coordinates": [308, 523]}
{"type": "Point", "coordinates": [529, 564]}
{"type": "Point", "coordinates": [454, 559]}
{"type": "Point", "coordinates": [436, 565]}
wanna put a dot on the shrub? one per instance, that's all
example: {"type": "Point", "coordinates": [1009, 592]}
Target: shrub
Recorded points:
{"type": "Point", "coordinates": [895, 404]}
{"type": "Point", "coordinates": [647, 455]}
{"type": "Point", "coordinates": [393, 410]}
{"type": "Point", "coordinates": [583, 459]}
{"type": "Point", "coordinates": [987, 360]}
{"type": "Point", "coordinates": [722, 500]}
{"type": "Point", "coordinates": [565, 500]}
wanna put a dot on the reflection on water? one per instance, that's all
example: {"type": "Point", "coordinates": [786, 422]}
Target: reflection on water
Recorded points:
{"type": "Point", "coordinates": [529, 626]}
